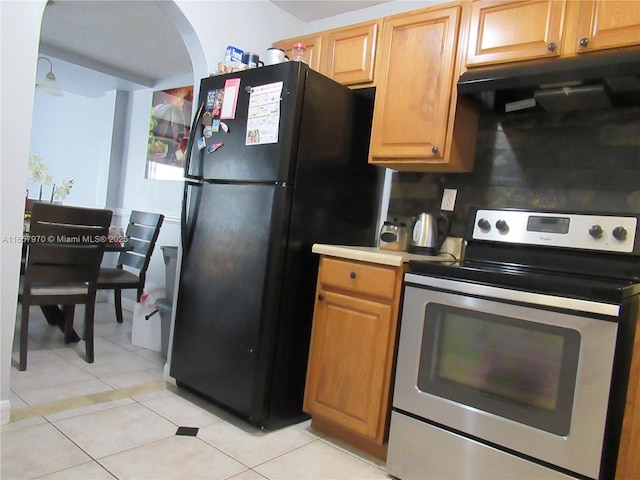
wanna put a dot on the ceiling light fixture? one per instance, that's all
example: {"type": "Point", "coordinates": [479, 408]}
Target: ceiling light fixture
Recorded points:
{"type": "Point", "coordinates": [49, 84]}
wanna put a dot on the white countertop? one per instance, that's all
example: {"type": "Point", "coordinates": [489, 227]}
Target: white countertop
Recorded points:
{"type": "Point", "coordinates": [375, 255]}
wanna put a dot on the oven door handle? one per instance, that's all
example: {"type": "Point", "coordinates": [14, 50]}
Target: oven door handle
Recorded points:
{"type": "Point", "coordinates": [520, 296]}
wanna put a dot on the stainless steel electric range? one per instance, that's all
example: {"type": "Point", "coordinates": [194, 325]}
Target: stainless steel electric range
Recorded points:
{"type": "Point", "coordinates": [514, 363]}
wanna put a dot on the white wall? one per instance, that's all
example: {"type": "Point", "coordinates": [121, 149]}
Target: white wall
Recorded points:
{"type": "Point", "coordinates": [72, 134]}
{"type": "Point", "coordinates": [19, 37]}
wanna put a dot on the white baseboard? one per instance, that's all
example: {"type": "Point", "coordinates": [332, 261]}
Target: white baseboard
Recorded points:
{"type": "Point", "coordinates": [166, 376]}
{"type": "Point", "coordinates": [5, 412]}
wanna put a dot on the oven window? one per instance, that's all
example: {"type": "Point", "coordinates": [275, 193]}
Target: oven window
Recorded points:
{"type": "Point", "coordinates": [521, 370]}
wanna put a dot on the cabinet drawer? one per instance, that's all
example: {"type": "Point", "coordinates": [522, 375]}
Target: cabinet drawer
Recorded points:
{"type": "Point", "coordinates": [358, 277]}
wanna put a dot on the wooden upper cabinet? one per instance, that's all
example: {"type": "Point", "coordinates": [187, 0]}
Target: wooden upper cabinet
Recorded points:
{"type": "Point", "coordinates": [313, 53]}
{"type": "Point", "coordinates": [416, 107]}
{"type": "Point", "coordinates": [604, 24]}
{"type": "Point", "coordinates": [351, 52]}
{"type": "Point", "coordinates": [506, 31]}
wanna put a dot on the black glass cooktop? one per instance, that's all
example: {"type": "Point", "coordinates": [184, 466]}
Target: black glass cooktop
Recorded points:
{"type": "Point", "coordinates": [587, 287]}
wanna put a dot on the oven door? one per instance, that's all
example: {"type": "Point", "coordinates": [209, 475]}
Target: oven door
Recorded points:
{"type": "Point", "coordinates": [520, 371]}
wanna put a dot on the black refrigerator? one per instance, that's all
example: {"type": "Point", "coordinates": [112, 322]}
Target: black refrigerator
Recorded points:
{"type": "Point", "coordinates": [277, 161]}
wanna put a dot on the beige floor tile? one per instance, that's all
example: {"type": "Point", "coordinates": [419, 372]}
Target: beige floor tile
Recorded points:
{"type": "Point", "coordinates": [248, 475]}
{"type": "Point", "coordinates": [253, 446]}
{"type": "Point", "coordinates": [16, 401]}
{"type": "Point", "coordinates": [133, 378]}
{"type": "Point", "coordinates": [116, 364]}
{"type": "Point", "coordinates": [319, 461]}
{"type": "Point", "coordinates": [39, 396]}
{"type": "Point", "coordinates": [101, 346]}
{"type": "Point", "coordinates": [178, 457]}
{"type": "Point", "coordinates": [181, 411]}
{"type": "Point", "coordinates": [46, 369]}
{"type": "Point", "coordinates": [18, 424]}
{"type": "Point", "coordinates": [84, 406]}
{"type": "Point", "coordinates": [114, 430]}
{"type": "Point", "coordinates": [86, 471]}
{"type": "Point", "coordinates": [37, 450]}
{"type": "Point", "coordinates": [131, 427]}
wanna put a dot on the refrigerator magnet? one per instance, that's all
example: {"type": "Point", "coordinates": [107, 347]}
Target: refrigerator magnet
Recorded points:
{"type": "Point", "coordinates": [211, 99]}
{"type": "Point", "coordinates": [206, 119]}
{"type": "Point", "coordinates": [202, 143]}
{"type": "Point", "coordinates": [224, 127]}
{"type": "Point", "coordinates": [208, 131]}
{"type": "Point", "coordinates": [214, 147]}
{"type": "Point", "coordinates": [231, 88]}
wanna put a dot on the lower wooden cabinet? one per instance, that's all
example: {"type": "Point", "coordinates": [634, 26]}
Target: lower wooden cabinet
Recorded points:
{"type": "Point", "coordinates": [350, 370]}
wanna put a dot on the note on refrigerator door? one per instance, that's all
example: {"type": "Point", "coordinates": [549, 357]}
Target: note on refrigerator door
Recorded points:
{"type": "Point", "coordinates": [263, 117]}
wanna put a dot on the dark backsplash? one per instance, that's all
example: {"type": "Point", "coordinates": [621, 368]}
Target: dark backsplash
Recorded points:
{"type": "Point", "coordinates": [577, 161]}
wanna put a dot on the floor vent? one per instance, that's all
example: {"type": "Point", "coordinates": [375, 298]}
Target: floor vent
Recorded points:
{"type": "Point", "coordinates": [187, 431]}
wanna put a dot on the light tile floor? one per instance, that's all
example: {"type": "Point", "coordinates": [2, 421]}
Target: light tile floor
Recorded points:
{"type": "Point", "coordinates": [117, 418]}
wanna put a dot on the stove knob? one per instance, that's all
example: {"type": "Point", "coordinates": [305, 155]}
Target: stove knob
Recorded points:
{"type": "Point", "coordinates": [619, 233]}
{"type": "Point", "coordinates": [596, 231]}
{"type": "Point", "coordinates": [484, 225]}
{"type": "Point", "coordinates": [502, 226]}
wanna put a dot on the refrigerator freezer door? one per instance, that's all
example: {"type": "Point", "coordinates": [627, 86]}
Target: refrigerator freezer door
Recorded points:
{"type": "Point", "coordinates": [254, 162]}
{"type": "Point", "coordinates": [226, 307]}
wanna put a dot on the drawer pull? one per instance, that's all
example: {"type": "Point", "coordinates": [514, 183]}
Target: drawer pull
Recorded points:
{"type": "Point", "coordinates": [320, 297]}
{"type": "Point", "coordinates": [352, 275]}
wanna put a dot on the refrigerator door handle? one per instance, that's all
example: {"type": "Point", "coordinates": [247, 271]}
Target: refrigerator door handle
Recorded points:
{"type": "Point", "coordinates": [192, 137]}
{"type": "Point", "coordinates": [191, 199]}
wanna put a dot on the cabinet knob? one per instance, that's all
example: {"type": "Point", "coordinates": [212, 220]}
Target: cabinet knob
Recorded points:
{"type": "Point", "coordinates": [435, 149]}
{"type": "Point", "coordinates": [584, 42]}
{"type": "Point", "coordinates": [551, 47]}
{"type": "Point", "coordinates": [321, 297]}
{"type": "Point", "coordinates": [352, 275]}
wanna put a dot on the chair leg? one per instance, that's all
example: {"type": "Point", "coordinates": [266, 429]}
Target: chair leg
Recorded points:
{"type": "Point", "coordinates": [68, 312]}
{"type": "Point", "coordinates": [88, 331]}
{"type": "Point", "coordinates": [117, 295]}
{"type": "Point", "coordinates": [24, 335]}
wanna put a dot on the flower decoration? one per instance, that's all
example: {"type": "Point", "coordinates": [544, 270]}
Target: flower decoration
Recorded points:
{"type": "Point", "coordinates": [61, 191]}
{"type": "Point", "coordinates": [39, 171]}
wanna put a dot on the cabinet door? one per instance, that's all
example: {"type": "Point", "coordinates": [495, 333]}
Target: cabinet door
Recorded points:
{"type": "Point", "coordinates": [510, 31]}
{"type": "Point", "coordinates": [351, 54]}
{"type": "Point", "coordinates": [311, 55]}
{"type": "Point", "coordinates": [604, 24]}
{"type": "Point", "coordinates": [347, 359]}
{"type": "Point", "coordinates": [414, 74]}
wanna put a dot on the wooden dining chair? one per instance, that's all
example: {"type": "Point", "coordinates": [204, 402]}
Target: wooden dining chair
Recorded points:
{"type": "Point", "coordinates": [65, 247]}
{"type": "Point", "coordinates": [131, 269]}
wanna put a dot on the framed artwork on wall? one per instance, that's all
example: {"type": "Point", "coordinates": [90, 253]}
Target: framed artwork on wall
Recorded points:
{"type": "Point", "coordinates": [168, 133]}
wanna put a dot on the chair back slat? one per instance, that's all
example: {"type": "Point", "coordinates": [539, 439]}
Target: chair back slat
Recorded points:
{"type": "Point", "coordinates": [54, 275]}
{"type": "Point", "coordinates": [64, 233]}
{"type": "Point", "coordinates": [138, 246]}
{"type": "Point", "coordinates": [132, 260]}
{"type": "Point", "coordinates": [142, 233]}
{"type": "Point", "coordinates": [57, 254]}
{"type": "Point", "coordinates": [66, 244]}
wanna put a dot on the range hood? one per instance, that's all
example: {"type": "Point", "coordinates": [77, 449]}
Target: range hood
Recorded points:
{"type": "Point", "coordinates": [586, 81]}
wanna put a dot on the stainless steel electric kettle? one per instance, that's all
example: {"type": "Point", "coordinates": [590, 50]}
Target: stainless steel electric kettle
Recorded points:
{"type": "Point", "coordinates": [429, 233]}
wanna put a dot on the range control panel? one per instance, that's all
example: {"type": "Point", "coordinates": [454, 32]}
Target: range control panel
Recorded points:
{"type": "Point", "coordinates": [610, 233]}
